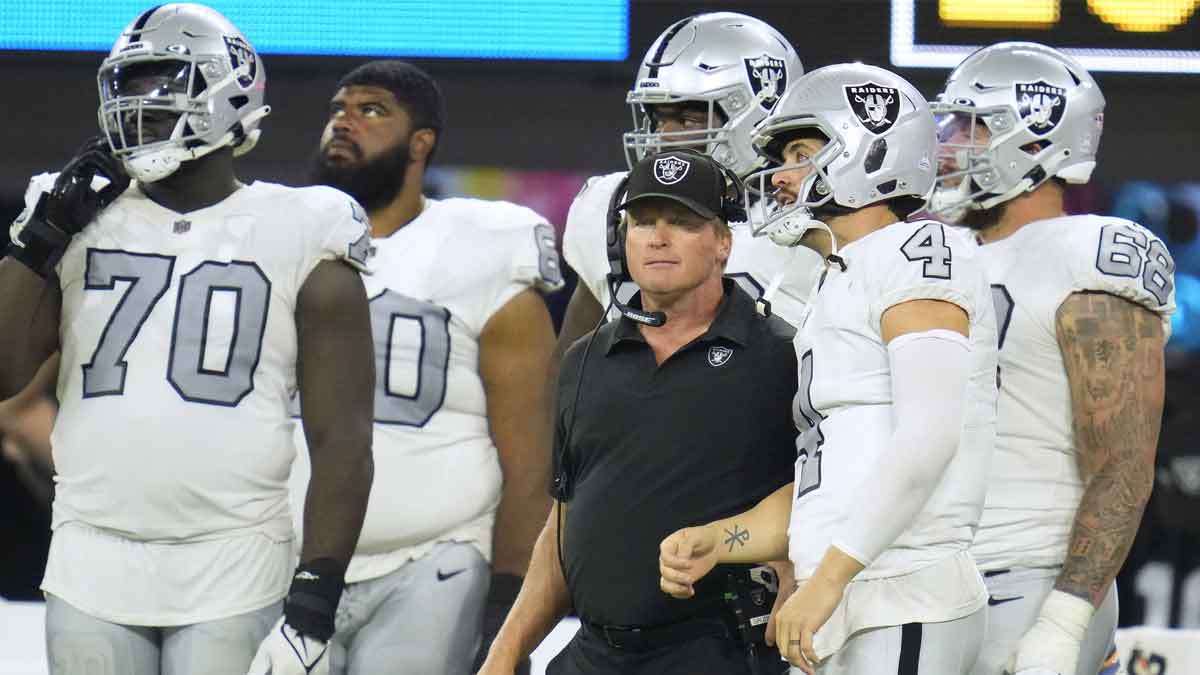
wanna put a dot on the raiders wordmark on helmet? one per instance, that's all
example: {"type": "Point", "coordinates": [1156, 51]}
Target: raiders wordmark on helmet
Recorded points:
{"type": "Point", "coordinates": [876, 106]}
{"type": "Point", "coordinates": [768, 79]}
{"type": "Point", "coordinates": [1041, 105]}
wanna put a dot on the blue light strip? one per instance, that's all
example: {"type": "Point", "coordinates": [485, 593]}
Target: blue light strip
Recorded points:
{"type": "Point", "coordinates": [588, 30]}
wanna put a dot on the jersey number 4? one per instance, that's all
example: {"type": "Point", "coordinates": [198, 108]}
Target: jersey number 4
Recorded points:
{"type": "Point", "coordinates": [197, 374]}
{"type": "Point", "coordinates": [811, 438]}
{"type": "Point", "coordinates": [928, 244]}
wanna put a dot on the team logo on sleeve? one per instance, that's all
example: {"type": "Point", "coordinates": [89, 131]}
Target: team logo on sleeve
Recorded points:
{"type": "Point", "coordinates": [1040, 105]}
{"type": "Point", "coordinates": [876, 106]}
{"type": "Point", "coordinates": [670, 170]}
{"type": "Point", "coordinates": [768, 79]}
{"type": "Point", "coordinates": [242, 60]}
{"type": "Point", "coordinates": [719, 356]}
{"type": "Point", "coordinates": [361, 250]}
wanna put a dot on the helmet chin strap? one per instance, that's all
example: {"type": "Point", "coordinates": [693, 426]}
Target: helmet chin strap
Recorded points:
{"type": "Point", "coordinates": [156, 164]}
{"type": "Point", "coordinates": [791, 228]}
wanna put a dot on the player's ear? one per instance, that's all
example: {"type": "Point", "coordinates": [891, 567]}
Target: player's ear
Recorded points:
{"type": "Point", "coordinates": [420, 144]}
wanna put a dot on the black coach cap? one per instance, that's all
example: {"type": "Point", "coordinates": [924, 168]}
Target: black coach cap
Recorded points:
{"type": "Point", "coordinates": [684, 176]}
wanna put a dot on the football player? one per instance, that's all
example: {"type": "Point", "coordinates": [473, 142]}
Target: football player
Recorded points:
{"type": "Point", "coordinates": [188, 307]}
{"type": "Point", "coordinates": [463, 341]}
{"type": "Point", "coordinates": [703, 84]}
{"type": "Point", "coordinates": [1082, 304]}
{"type": "Point", "coordinates": [897, 395]}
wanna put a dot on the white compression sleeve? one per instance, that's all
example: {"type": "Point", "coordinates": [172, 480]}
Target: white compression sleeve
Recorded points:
{"type": "Point", "coordinates": [929, 380]}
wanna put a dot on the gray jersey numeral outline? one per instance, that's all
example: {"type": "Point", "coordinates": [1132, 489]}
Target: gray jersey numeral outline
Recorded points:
{"type": "Point", "coordinates": [149, 276]}
{"type": "Point", "coordinates": [433, 359]}
{"type": "Point", "coordinates": [1126, 251]}
{"type": "Point", "coordinates": [812, 438]}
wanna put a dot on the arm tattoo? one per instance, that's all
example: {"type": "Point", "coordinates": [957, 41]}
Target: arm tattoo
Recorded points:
{"type": "Point", "coordinates": [1113, 353]}
{"type": "Point", "coordinates": [737, 536]}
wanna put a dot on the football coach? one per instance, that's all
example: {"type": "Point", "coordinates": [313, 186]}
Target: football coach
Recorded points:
{"type": "Point", "coordinates": [677, 412]}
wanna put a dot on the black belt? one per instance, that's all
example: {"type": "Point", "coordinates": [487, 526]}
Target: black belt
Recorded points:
{"type": "Point", "coordinates": [647, 638]}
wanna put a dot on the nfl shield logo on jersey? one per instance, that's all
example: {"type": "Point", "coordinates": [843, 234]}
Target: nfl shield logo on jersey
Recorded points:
{"type": "Point", "coordinates": [768, 79]}
{"type": "Point", "coordinates": [719, 356]}
{"type": "Point", "coordinates": [876, 106]}
{"type": "Point", "coordinates": [1041, 105]}
{"type": "Point", "coordinates": [670, 170]}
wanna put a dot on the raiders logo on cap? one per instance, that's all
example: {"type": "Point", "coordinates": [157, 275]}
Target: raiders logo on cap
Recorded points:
{"type": "Point", "coordinates": [670, 170]}
{"type": "Point", "coordinates": [1041, 105]}
{"type": "Point", "coordinates": [768, 79]}
{"type": "Point", "coordinates": [876, 106]}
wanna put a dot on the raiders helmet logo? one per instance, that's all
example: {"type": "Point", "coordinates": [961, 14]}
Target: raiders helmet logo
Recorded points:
{"type": "Point", "coordinates": [670, 170]}
{"type": "Point", "coordinates": [1041, 105]}
{"type": "Point", "coordinates": [360, 250]}
{"type": "Point", "coordinates": [876, 106]}
{"type": "Point", "coordinates": [719, 356]}
{"type": "Point", "coordinates": [242, 60]}
{"type": "Point", "coordinates": [768, 79]}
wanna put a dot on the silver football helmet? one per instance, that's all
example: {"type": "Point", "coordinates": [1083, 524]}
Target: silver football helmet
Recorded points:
{"type": "Point", "coordinates": [180, 82]}
{"type": "Point", "coordinates": [737, 64]}
{"type": "Point", "coordinates": [1011, 116]}
{"type": "Point", "coordinates": [880, 144]}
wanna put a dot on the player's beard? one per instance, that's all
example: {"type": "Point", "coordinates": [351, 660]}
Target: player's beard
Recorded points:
{"type": "Point", "coordinates": [982, 219]}
{"type": "Point", "coordinates": [373, 183]}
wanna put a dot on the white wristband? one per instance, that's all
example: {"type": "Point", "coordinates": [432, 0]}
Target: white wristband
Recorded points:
{"type": "Point", "coordinates": [1070, 613]}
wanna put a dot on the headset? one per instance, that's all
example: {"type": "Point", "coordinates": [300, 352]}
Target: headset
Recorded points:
{"type": "Point", "coordinates": [732, 210]}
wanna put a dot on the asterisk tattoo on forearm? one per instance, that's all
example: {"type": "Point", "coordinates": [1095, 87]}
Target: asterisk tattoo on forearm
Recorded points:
{"type": "Point", "coordinates": [736, 536]}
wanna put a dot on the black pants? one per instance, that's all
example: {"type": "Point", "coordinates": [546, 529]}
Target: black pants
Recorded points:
{"type": "Point", "coordinates": [587, 654]}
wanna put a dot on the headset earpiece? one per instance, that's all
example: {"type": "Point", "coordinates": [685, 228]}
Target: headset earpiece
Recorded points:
{"type": "Point", "coordinates": [614, 237]}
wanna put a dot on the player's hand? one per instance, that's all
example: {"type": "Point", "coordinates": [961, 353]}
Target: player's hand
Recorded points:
{"type": "Point", "coordinates": [802, 616]}
{"type": "Point", "coordinates": [786, 572]}
{"type": "Point", "coordinates": [285, 651]}
{"type": "Point", "coordinates": [41, 235]}
{"type": "Point", "coordinates": [1052, 643]}
{"type": "Point", "coordinates": [73, 203]}
{"type": "Point", "coordinates": [684, 557]}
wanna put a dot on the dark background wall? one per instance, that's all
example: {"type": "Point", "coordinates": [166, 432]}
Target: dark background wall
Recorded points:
{"type": "Point", "coordinates": [563, 115]}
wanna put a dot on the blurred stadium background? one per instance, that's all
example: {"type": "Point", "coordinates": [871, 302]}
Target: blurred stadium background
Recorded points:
{"type": "Point", "coordinates": [535, 94]}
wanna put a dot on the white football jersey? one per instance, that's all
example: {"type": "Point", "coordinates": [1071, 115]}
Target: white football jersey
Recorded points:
{"type": "Point", "coordinates": [437, 282]}
{"type": "Point", "coordinates": [179, 347]}
{"type": "Point", "coordinates": [843, 407]}
{"type": "Point", "coordinates": [1034, 486]}
{"type": "Point", "coordinates": [755, 262]}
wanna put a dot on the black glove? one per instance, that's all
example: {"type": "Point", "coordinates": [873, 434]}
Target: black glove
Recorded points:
{"type": "Point", "coordinates": [501, 595]}
{"type": "Point", "coordinates": [312, 600]}
{"type": "Point", "coordinates": [41, 236]}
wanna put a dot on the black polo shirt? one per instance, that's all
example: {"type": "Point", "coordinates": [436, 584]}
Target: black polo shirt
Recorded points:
{"type": "Point", "coordinates": [655, 448]}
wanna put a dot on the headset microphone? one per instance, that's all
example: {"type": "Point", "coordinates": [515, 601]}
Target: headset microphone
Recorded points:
{"type": "Point", "coordinates": [652, 319]}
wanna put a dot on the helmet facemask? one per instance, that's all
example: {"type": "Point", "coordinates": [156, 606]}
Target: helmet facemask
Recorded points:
{"type": "Point", "coordinates": [783, 219]}
{"type": "Point", "coordinates": [969, 143]}
{"type": "Point", "coordinates": [646, 140]}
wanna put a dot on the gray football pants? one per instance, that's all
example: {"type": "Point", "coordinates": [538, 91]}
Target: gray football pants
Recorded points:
{"type": "Point", "coordinates": [80, 644]}
{"type": "Point", "coordinates": [945, 648]}
{"type": "Point", "coordinates": [426, 618]}
{"type": "Point", "coordinates": [1015, 600]}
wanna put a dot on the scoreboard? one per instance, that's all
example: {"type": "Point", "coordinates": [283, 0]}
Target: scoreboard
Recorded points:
{"type": "Point", "coordinates": [1141, 36]}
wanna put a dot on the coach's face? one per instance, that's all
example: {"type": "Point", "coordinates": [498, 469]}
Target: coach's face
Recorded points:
{"type": "Point", "coordinates": [671, 249]}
